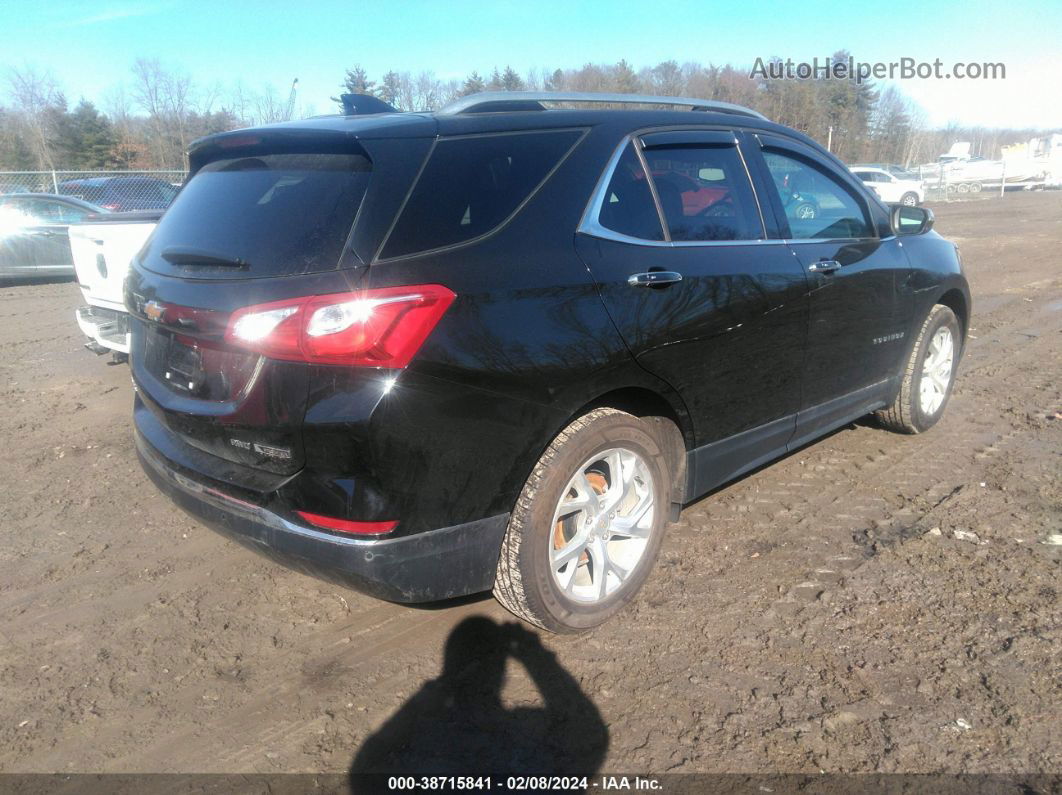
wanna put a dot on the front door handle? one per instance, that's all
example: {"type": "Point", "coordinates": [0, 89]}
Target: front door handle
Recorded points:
{"type": "Point", "coordinates": [654, 278]}
{"type": "Point", "coordinates": [826, 266]}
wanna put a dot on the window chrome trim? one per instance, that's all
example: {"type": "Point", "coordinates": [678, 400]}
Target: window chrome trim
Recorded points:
{"type": "Point", "coordinates": [590, 224]}
{"type": "Point", "coordinates": [657, 204]}
{"type": "Point", "coordinates": [796, 241]}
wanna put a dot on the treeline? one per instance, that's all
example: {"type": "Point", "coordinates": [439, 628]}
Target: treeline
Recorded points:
{"type": "Point", "coordinates": [148, 122]}
{"type": "Point", "coordinates": [860, 122]}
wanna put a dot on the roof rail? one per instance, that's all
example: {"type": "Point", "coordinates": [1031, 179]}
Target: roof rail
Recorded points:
{"type": "Point", "coordinates": [487, 101]}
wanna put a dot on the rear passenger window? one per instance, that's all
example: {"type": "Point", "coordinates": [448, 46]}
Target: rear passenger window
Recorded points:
{"type": "Point", "coordinates": [704, 193]}
{"type": "Point", "coordinates": [628, 206]}
{"type": "Point", "coordinates": [473, 184]}
{"type": "Point", "coordinates": [816, 204]}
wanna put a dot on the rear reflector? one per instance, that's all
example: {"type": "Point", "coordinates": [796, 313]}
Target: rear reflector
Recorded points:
{"type": "Point", "coordinates": [347, 526]}
{"type": "Point", "coordinates": [372, 328]}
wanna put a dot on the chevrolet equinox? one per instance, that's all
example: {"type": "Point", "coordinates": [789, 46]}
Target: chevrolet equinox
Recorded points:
{"type": "Point", "coordinates": [501, 345]}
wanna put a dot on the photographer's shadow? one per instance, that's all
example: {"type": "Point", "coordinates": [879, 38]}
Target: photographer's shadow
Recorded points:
{"type": "Point", "coordinates": [455, 725]}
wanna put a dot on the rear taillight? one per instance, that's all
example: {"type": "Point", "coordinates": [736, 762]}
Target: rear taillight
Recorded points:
{"type": "Point", "coordinates": [371, 328]}
{"type": "Point", "coordinates": [347, 526]}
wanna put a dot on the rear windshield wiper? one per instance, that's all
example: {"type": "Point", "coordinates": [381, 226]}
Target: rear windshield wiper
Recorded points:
{"type": "Point", "coordinates": [180, 255]}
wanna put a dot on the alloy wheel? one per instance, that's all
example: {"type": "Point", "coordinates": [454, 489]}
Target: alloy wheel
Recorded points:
{"type": "Point", "coordinates": [936, 371]}
{"type": "Point", "coordinates": [601, 525]}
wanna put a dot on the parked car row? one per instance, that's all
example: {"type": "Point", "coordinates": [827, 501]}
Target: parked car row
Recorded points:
{"type": "Point", "coordinates": [34, 227]}
{"type": "Point", "coordinates": [500, 346]}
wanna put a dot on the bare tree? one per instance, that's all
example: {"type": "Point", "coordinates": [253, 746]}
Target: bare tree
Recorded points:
{"type": "Point", "coordinates": [167, 97]}
{"type": "Point", "coordinates": [37, 101]}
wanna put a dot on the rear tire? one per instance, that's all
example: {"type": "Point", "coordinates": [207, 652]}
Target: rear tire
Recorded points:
{"type": "Point", "coordinates": [588, 524]}
{"type": "Point", "coordinates": [928, 375]}
{"type": "Point", "coordinates": [909, 199]}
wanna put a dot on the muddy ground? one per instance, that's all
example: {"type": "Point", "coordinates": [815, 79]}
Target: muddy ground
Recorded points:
{"type": "Point", "coordinates": [873, 602]}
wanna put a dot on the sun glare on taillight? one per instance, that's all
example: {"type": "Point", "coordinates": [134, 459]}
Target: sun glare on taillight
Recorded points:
{"type": "Point", "coordinates": [372, 328]}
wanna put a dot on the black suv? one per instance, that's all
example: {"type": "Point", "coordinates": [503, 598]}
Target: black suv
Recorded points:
{"type": "Point", "coordinates": [501, 345]}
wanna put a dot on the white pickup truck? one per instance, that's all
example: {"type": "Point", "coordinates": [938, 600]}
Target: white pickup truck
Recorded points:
{"type": "Point", "coordinates": [103, 246]}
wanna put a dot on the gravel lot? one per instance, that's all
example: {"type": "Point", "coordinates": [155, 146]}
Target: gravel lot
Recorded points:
{"type": "Point", "coordinates": [872, 602]}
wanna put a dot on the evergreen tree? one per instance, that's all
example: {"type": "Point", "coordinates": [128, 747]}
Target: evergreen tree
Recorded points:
{"type": "Point", "coordinates": [511, 81]}
{"type": "Point", "coordinates": [356, 82]}
{"type": "Point", "coordinates": [624, 80]}
{"type": "Point", "coordinates": [390, 88]}
{"type": "Point", "coordinates": [473, 85]}
{"type": "Point", "coordinates": [555, 82]}
{"type": "Point", "coordinates": [495, 83]}
{"type": "Point", "coordinates": [85, 138]}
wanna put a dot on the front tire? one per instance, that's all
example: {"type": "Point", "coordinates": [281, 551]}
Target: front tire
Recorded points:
{"type": "Point", "coordinates": [588, 524]}
{"type": "Point", "coordinates": [928, 375]}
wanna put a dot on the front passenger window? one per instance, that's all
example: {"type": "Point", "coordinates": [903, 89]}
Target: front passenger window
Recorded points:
{"type": "Point", "coordinates": [816, 204]}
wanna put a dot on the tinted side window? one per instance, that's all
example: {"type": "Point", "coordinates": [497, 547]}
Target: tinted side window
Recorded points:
{"type": "Point", "coordinates": [473, 184]}
{"type": "Point", "coordinates": [704, 193]}
{"type": "Point", "coordinates": [816, 204]}
{"type": "Point", "coordinates": [628, 206]}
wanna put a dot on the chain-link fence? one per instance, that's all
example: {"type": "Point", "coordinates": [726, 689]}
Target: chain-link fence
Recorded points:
{"type": "Point", "coordinates": [111, 190]}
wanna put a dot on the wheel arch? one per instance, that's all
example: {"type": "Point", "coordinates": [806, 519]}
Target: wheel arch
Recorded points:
{"type": "Point", "coordinates": [676, 428]}
{"type": "Point", "coordinates": [954, 300]}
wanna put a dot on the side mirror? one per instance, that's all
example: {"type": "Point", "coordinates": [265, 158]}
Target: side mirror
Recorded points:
{"type": "Point", "coordinates": [911, 220]}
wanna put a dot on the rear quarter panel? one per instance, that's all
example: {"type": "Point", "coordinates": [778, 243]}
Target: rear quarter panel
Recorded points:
{"type": "Point", "coordinates": [525, 345]}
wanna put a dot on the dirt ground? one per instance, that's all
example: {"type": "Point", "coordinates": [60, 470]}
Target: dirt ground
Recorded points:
{"type": "Point", "coordinates": [872, 602]}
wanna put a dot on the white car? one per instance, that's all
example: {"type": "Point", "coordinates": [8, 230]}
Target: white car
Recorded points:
{"type": "Point", "coordinates": [103, 247]}
{"type": "Point", "coordinates": [891, 189]}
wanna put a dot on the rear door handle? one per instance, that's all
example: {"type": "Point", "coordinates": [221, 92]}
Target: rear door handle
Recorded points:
{"type": "Point", "coordinates": [826, 266]}
{"type": "Point", "coordinates": [654, 278]}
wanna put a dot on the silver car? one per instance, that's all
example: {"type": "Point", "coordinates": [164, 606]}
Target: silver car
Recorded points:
{"type": "Point", "coordinates": [33, 234]}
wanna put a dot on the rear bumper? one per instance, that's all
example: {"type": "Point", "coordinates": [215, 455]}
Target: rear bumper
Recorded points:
{"type": "Point", "coordinates": [430, 566]}
{"type": "Point", "coordinates": [106, 327]}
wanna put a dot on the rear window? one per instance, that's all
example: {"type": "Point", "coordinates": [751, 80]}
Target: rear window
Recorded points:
{"type": "Point", "coordinates": [279, 214]}
{"type": "Point", "coordinates": [472, 185]}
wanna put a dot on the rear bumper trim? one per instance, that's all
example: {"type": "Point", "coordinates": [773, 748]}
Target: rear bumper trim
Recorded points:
{"type": "Point", "coordinates": [106, 327]}
{"type": "Point", "coordinates": [430, 566]}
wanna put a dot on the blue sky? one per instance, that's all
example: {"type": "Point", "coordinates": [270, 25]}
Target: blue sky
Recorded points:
{"type": "Point", "coordinates": [90, 46]}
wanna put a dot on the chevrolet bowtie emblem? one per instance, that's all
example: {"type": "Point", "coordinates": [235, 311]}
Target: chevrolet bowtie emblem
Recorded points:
{"type": "Point", "coordinates": [154, 310]}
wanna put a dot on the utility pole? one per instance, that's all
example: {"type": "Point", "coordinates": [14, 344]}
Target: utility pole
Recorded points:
{"type": "Point", "coordinates": [291, 100]}
{"type": "Point", "coordinates": [829, 139]}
